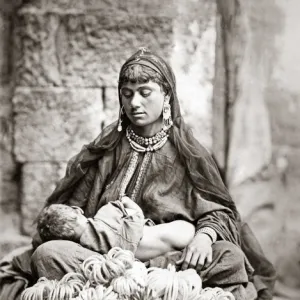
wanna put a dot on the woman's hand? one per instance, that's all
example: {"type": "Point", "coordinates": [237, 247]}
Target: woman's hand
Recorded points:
{"type": "Point", "coordinates": [197, 253]}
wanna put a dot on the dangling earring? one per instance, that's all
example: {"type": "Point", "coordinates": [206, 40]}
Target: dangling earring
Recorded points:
{"type": "Point", "coordinates": [120, 119]}
{"type": "Point", "coordinates": [167, 118]}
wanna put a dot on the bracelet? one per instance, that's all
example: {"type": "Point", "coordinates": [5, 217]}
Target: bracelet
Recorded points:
{"type": "Point", "coordinates": [209, 231]}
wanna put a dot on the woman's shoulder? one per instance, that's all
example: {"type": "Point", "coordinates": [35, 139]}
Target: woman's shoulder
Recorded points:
{"type": "Point", "coordinates": [168, 152]}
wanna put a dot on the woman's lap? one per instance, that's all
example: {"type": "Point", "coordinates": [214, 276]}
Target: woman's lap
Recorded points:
{"type": "Point", "coordinates": [56, 258]}
{"type": "Point", "coordinates": [228, 269]}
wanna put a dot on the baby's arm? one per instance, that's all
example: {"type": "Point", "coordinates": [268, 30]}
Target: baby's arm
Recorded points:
{"type": "Point", "coordinates": [160, 239]}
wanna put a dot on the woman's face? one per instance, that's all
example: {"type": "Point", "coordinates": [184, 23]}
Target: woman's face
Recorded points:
{"type": "Point", "coordinates": [143, 104]}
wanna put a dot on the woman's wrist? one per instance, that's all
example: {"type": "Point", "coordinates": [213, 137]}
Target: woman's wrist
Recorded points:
{"type": "Point", "coordinates": [208, 231]}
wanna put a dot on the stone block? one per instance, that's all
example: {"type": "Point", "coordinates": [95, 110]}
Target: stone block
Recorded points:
{"type": "Point", "coordinates": [53, 125]}
{"type": "Point", "coordinates": [83, 50]}
{"type": "Point", "coordinates": [36, 60]}
{"type": "Point", "coordinates": [38, 182]}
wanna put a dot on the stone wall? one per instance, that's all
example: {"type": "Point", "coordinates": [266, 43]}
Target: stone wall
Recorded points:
{"type": "Point", "coordinates": [66, 61]}
{"type": "Point", "coordinates": [9, 171]}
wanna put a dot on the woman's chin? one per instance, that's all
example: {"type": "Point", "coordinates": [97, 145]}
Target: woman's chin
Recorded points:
{"type": "Point", "coordinates": [139, 123]}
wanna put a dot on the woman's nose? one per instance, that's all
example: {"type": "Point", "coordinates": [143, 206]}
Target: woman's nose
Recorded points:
{"type": "Point", "coordinates": [136, 100]}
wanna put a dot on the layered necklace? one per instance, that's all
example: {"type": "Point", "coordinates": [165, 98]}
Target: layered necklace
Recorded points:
{"type": "Point", "coordinates": [140, 144]}
{"type": "Point", "coordinates": [143, 144]}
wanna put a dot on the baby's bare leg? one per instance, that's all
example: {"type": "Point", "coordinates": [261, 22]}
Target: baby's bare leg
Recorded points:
{"type": "Point", "coordinates": [160, 239]}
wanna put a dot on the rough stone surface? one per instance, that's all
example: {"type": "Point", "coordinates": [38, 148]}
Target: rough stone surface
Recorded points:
{"type": "Point", "coordinates": [38, 182]}
{"type": "Point", "coordinates": [9, 7]}
{"type": "Point", "coordinates": [83, 49]}
{"type": "Point", "coordinates": [110, 105]}
{"type": "Point", "coordinates": [193, 59]}
{"type": "Point", "coordinates": [53, 125]}
{"type": "Point", "coordinates": [9, 189]}
{"type": "Point", "coordinates": [156, 7]}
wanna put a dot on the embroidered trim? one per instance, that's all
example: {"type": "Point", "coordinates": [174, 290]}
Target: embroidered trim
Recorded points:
{"type": "Point", "coordinates": [143, 170]}
{"type": "Point", "coordinates": [129, 173]}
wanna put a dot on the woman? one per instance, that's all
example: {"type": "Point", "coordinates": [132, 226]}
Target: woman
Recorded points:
{"type": "Point", "coordinates": [151, 156]}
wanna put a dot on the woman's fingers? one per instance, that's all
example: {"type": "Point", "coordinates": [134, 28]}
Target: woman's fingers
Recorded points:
{"type": "Point", "coordinates": [209, 258]}
{"type": "Point", "coordinates": [196, 255]}
{"type": "Point", "coordinates": [194, 260]}
{"type": "Point", "coordinates": [186, 262]}
{"type": "Point", "coordinates": [204, 261]}
{"type": "Point", "coordinates": [201, 262]}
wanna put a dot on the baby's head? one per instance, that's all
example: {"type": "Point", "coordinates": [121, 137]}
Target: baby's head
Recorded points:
{"type": "Point", "coordinates": [60, 222]}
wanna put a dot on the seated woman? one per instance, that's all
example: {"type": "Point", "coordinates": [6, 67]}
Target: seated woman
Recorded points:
{"type": "Point", "coordinates": [150, 155]}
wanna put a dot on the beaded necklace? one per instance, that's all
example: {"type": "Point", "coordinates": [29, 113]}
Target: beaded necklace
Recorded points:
{"type": "Point", "coordinates": [142, 144]}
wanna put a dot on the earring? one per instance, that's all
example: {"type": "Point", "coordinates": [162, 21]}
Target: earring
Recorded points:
{"type": "Point", "coordinates": [120, 119]}
{"type": "Point", "coordinates": [167, 118]}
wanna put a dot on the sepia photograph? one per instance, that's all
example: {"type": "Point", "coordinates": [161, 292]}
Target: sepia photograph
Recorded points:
{"type": "Point", "coordinates": [149, 150]}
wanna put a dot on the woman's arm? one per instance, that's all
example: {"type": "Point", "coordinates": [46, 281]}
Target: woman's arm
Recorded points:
{"type": "Point", "coordinates": [160, 239]}
{"type": "Point", "coordinates": [199, 251]}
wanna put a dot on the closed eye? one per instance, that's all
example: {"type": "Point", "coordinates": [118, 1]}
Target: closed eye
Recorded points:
{"type": "Point", "coordinates": [145, 92]}
{"type": "Point", "coordinates": [126, 93]}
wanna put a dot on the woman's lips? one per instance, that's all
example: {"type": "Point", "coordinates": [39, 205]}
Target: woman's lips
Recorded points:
{"type": "Point", "coordinates": [137, 114]}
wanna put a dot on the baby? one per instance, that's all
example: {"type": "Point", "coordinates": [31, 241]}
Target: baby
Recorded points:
{"type": "Point", "coordinates": [119, 223]}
